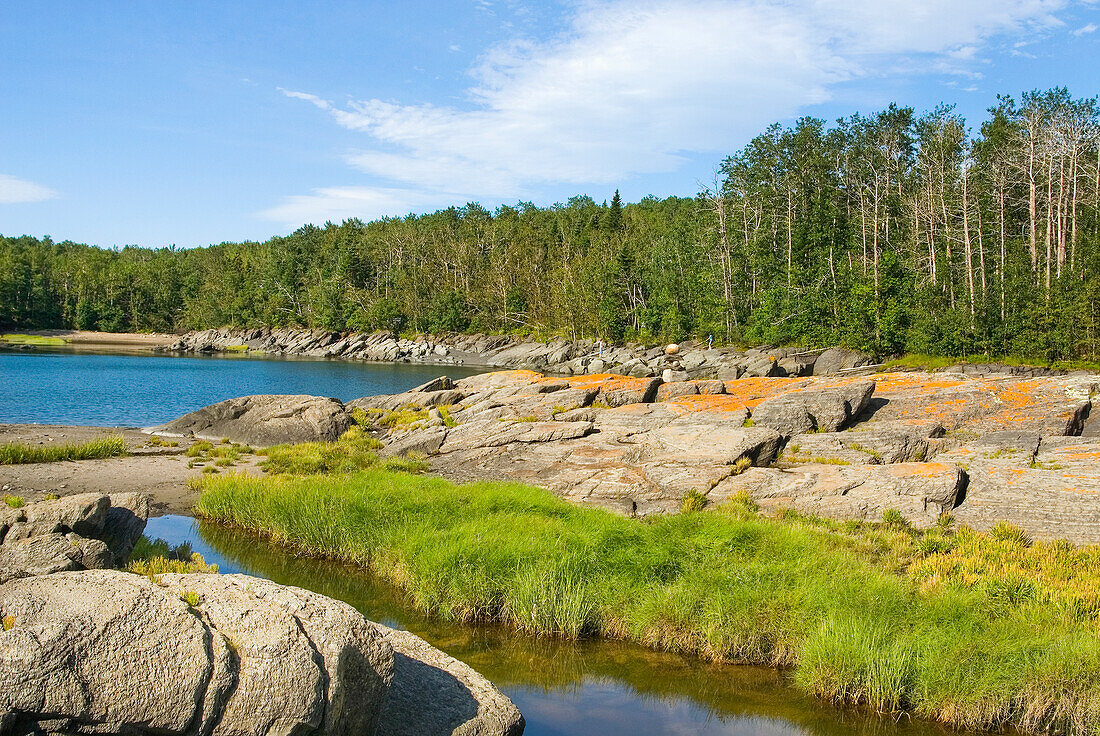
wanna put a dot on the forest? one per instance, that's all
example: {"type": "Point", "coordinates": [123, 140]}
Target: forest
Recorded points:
{"type": "Point", "coordinates": [895, 232]}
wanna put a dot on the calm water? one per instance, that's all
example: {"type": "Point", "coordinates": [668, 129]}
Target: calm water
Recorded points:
{"type": "Point", "coordinates": [597, 688]}
{"type": "Point", "coordinates": [142, 390]}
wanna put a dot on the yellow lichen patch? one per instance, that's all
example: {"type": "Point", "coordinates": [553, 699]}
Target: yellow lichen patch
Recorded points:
{"type": "Point", "coordinates": [608, 382]}
{"type": "Point", "coordinates": [693, 403]}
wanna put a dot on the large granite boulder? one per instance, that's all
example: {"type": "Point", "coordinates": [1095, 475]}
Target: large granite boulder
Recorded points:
{"type": "Point", "coordinates": [265, 420]}
{"type": "Point", "coordinates": [109, 652]}
{"type": "Point", "coordinates": [836, 360]}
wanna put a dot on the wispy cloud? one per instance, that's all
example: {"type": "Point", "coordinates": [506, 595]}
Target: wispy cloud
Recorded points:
{"type": "Point", "coordinates": [1088, 28]}
{"type": "Point", "coordinates": [15, 191]}
{"type": "Point", "coordinates": [633, 86]}
{"type": "Point", "coordinates": [341, 203]}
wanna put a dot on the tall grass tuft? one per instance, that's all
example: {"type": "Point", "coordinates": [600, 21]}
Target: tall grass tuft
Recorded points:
{"type": "Point", "coordinates": [15, 453]}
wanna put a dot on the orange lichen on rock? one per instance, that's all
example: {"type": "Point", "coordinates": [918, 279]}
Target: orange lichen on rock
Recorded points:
{"type": "Point", "coordinates": [693, 403]}
{"type": "Point", "coordinates": [608, 382]}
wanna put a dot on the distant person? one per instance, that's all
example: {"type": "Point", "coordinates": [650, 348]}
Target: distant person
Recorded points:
{"type": "Point", "coordinates": [599, 345]}
{"type": "Point", "coordinates": [710, 341]}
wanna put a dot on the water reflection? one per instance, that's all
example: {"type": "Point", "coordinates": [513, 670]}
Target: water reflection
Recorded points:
{"type": "Point", "coordinates": [590, 687]}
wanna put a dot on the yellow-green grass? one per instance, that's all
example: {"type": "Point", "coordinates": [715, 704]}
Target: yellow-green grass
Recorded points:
{"type": "Point", "coordinates": [15, 453]}
{"type": "Point", "coordinates": [930, 623]}
{"type": "Point", "coordinates": [13, 338]}
{"type": "Point", "coordinates": [152, 557]}
{"type": "Point", "coordinates": [921, 361]}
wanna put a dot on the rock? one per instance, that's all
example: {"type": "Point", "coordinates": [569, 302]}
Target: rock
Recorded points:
{"type": "Point", "coordinates": [125, 522]}
{"type": "Point", "coordinates": [84, 514]}
{"type": "Point", "coordinates": [433, 693]}
{"type": "Point", "coordinates": [494, 433]}
{"type": "Point", "coordinates": [670, 390]}
{"type": "Point", "coordinates": [443, 383]}
{"type": "Point", "coordinates": [672, 349]}
{"type": "Point", "coordinates": [920, 491]}
{"type": "Point", "coordinates": [265, 420]}
{"type": "Point", "coordinates": [823, 408]}
{"type": "Point", "coordinates": [249, 656]}
{"type": "Point", "coordinates": [1049, 486]}
{"type": "Point", "coordinates": [77, 635]}
{"type": "Point", "coordinates": [39, 555]}
{"type": "Point", "coordinates": [834, 360]}
{"type": "Point", "coordinates": [763, 367]}
{"type": "Point", "coordinates": [427, 441]}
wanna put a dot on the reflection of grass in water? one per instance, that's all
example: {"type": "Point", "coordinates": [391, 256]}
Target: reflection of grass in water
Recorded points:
{"type": "Point", "coordinates": [837, 602]}
{"type": "Point", "coordinates": [18, 339]}
{"type": "Point", "coordinates": [550, 665]}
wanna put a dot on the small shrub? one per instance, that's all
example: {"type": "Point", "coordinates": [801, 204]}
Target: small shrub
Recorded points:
{"type": "Point", "coordinates": [693, 500]}
{"type": "Point", "coordinates": [9, 623]}
{"type": "Point", "coordinates": [16, 502]}
{"type": "Point", "coordinates": [199, 448]}
{"type": "Point", "coordinates": [445, 413]}
{"type": "Point", "coordinates": [742, 464]}
{"type": "Point", "coordinates": [209, 469]}
{"type": "Point", "coordinates": [51, 497]}
{"type": "Point", "coordinates": [750, 422]}
{"type": "Point", "coordinates": [191, 598]}
{"type": "Point", "coordinates": [1006, 532]}
{"type": "Point", "coordinates": [359, 417]}
{"type": "Point", "coordinates": [742, 501]}
{"type": "Point", "coordinates": [894, 518]}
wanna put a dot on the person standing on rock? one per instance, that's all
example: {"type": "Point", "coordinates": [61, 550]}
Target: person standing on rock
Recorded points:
{"type": "Point", "coordinates": [599, 347]}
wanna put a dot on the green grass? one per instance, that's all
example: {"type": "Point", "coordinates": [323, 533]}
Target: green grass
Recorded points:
{"type": "Point", "coordinates": [920, 361]}
{"type": "Point", "coordinates": [355, 450]}
{"type": "Point", "coordinates": [236, 348]}
{"type": "Point", "coordinates": [15, 502]}
{"type": "Point", "coordinates": [152, 557]}
{"type": "Point", "coordinates": [15, 453]}
{"type": "Point", "coordinates": [18, 339]}
{"type": "Point", "coordinates": [973, 630]}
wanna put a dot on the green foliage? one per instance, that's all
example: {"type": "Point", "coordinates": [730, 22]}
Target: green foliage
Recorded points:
{"type": "Point", "coordinates": [693, 500]}
{"type": "Point", "coordinates": [966, 628]}
{"type": "Point", "coordinates": [355, 450]}
{"type": "Point", "coordinates": [15, 453]}
{"type": "Point", "coordinates": [15, 502]}
{"type": "Point", "coordinates": [152, 557]}
{"type": "Point", "coordinates": [892, 232]}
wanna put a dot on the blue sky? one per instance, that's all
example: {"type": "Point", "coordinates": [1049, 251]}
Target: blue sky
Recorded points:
{"type": "Point", "coordinates": [199, 122]}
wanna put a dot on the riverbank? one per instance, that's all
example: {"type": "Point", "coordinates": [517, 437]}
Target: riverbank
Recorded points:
{"type": "Point", "coordinates": [89, 340]}
{"type": "Point", "coordinates": [692, 359]}
{"type": "Point", "coordinates": [972, 630]}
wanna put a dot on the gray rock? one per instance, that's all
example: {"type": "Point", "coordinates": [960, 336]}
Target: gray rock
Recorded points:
{"type": "Point", "coordinates": [834, 360]}
{"type": "Point", "coordinates": [920, 491]}
{"type": "Point", "coordinates": [763, 366]}
{"type": "Point", "coordinates": [493, 433]}
{"type": "Point", "coordinates": [824, 409]}
{"type": "Point", "coordinates": [125, 522]}
{"type": "Point", "coordinates": [84, 514]}
{"type": "Point", "coordinates": [265, 420]}
{"type": "Point", "coordinates": [433, 693]}
{"type": "Point", "coordinates": [39, 555]}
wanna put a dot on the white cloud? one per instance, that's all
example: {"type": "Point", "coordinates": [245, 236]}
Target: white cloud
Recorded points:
{"type": "Point", "coordinates": [341, 203]}
{"type": "Point", "coordinates": [634, 85]}
{"type": "Point", "coordinates": [1089, 28]}
{"type": "Point", "coordinates": [13, 191]}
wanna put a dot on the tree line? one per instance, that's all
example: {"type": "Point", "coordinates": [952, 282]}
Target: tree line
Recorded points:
{"type": "Point", "coordinates": [889, 233]}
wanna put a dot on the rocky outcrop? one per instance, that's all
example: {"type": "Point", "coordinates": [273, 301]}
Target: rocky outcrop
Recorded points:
{"type": "Point", "coordinates": [840, 447]}
{"type": "Point", "coordinates": [222, 654]}
{"type": "Point", "coordinates": [81, 532]}
{"type": "Point", "coordinates": [264, 420]}
{"type": "Point", "coordinates": [572, 358]}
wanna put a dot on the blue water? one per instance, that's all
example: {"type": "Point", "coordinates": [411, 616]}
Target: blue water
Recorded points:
{"type": "Point", "coordinates": [141, 391]}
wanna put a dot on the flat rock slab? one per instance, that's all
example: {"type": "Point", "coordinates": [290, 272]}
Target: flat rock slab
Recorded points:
{"type": "Point", "coordinates": [1049, 486]}
{"type": "Point", "coordinates": [265, 420]}
{"type": "Point", "coordinates": [920, 491]}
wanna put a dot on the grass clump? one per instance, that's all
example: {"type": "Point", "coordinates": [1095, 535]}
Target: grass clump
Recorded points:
{"type": "Point", "coordinates": [971, 629]}
{"type": "Point", "coordinates": [355, 450]}
{"type": "Point", "coordinates": [9, 623]}
{"type": "Point", "coordinates": [15, 502]}
{"type": "Point", "coordinates": [15, 453]}
{"type": "Point", "coordinates": [199, 448]}
{"type": "Point", "coordinates": [693, 500]}
{"type": "Point", "coordinates": [152, 557]}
